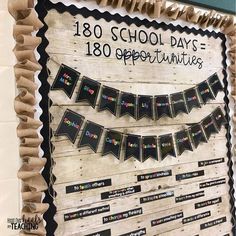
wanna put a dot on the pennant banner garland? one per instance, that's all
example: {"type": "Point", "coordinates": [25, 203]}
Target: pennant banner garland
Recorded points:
{"type": "Point", "coordinates": [141, 148]}
{"type": "Point", "coordinates": [136, 106]}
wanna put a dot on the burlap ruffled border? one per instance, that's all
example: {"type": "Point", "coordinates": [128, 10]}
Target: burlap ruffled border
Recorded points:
{"type": "Point", "coordinates": [33, 184]}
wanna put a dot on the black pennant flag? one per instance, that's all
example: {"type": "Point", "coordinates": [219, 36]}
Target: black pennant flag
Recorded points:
{"type": "Point", "coordinates": [128, 104]}
{"type": "Point", "coordinates": [109, 99]}
{"type": "Point", "coordinates": [112, 143]}
{"type": "Point", "coordinates": [88, 91]}
{"type": "Point", "coordinates": [191, 98]}
{"type": "Point", "coordinates": [166, 145]}
{"type": "Point", "coordinates": [91, 135]}
{"type": "Point", "coordinates": [219, 118]}
{"type": "Point", "coordinates": [149, 147]}
{"type": "Point", "coordinates": [162, 106]}
{"type": "Point", "coordinates": [197, 135]}
{"type": "Point", "coordinates": [205, 92]}
{"type": "Point", "coordinates": [178, 103]}
{"type": "Point", "coordinates": [66, 80]}
{"type": "Point", "coordinates": [145, 106]}
{"type": "Point", "coordinates": [132, 147]}
{"type": "Point", "coordinates": [182, 141]}
{"type": "Point", "coordinates": [209, 126]}
{"type": "Point", "coordinates": [70, 125]}
{"type": "Point", "coordinates": [215, 84]}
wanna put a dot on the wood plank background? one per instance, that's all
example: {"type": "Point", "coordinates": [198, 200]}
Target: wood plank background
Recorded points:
{"type": "Point", "coordinates": [74, 166]}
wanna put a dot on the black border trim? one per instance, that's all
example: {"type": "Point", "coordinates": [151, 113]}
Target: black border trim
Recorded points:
{"type": "Point", "coordinates": [42, 8]}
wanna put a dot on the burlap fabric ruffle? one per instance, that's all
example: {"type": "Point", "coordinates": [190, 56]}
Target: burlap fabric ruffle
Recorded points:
{"type": "Point", "coordinates": [33, 184]}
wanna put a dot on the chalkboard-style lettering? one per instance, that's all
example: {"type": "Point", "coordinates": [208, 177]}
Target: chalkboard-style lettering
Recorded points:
{"type": "Point", "coordinates": [132, 147]}
{"type": "Point", "coordinates": [109, 100]}
{"type": "Point", "coordinates": [154, 175]}
{"type": "Point", "coordinates": [112, 143]}
{"type": "Point", "coordinates": [106, 232]}
{"type": "Point", "coordinates": [149, 147]}
{"type": "Point", "coordinates": [178, 103]}
{"type": "Point", "coordinates": [191, 99]}
{"type": "Point", "coordinates": [91, 135]}
{"type": "Point", "coordinates": [213, 223]}
{"type": "Point", "coordinates": [166, 145]}
{"type": "Point", "coordinates": [122, 215]}
{"type": "Point", "coordinates": [162, 106]}
{"type": "Point", "coordinates": [86, 212]}
{"type": "Point", "coordinates": [196, 217]}
{"type": "Point", "coordinates": [206, 203]}
{"type": "Point", "coordinates": [197, 135]}
{"type": "Point", "coordinates": [121, 192]}
{"type": "Point", "coordinates": [70, 125]}
{"type": "Point", "coordinates": [66, 80]}
{"type": "Point", "coordinates": [145, 108]}
{"type": "Point", "coordinates": [182, 141]}
{"type": "Point", "coordinates": [88, 185]}
{"type": "Point", "coordinates": [88, 91]}
{"type": "Point", "coordinates": [156, 197]}
{"type": "Point", "coordinates": [167, 219]}
{"type": "Point", "coordinates": [189, 196]}
{"type": "Point", "coordinates": [189, 175]}
{"type": "Point", "coordinates": [210, 162]}
{"type": "Point", "coordinates": [138, 232]}
{"type": "Point", "coordinates": [128, 104]}
{"type": "Point", "coordinates": [212, 183]}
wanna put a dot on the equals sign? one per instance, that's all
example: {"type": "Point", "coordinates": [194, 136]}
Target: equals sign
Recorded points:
{"type": "Point", "coordinates": [203, 46]}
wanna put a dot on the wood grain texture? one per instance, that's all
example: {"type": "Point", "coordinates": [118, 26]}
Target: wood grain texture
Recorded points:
{"type": "Point", "coordinates": [77, 166]}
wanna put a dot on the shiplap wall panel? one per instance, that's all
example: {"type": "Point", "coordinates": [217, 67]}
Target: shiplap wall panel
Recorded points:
{"type": "Point", "coordinates": [74, 166]}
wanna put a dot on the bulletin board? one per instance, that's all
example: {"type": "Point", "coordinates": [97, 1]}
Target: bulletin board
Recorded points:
{"type": "Point", "coordinates": [136, 125]}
